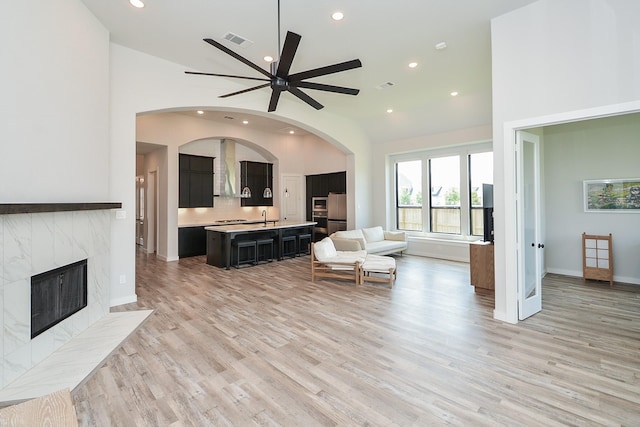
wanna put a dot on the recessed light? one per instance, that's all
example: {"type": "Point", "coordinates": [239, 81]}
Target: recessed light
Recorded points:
{"type": "Point", "coordinates": [292, 131]}
{"type": "Point", "coordinates": [136, 3]}
{"type": "Point", "coordinates": [389, 110]}
{"type": "Point", "coordinates": [441, 45]}
{"type": "Point", "coordinates": [200, 112]}
{"type": "Point", "coordinates": [454, 93]}
{"type": "Point", "coordinates": [337, 16]}
{"type": "Point", "coordinates": [268, 58]}
{"type": "Point", "coordinates": [413, 64]}
{"type": "Point", "coordinates": [245, 122]}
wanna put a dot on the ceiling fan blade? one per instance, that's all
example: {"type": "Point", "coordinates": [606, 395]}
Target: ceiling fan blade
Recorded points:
{"type": "Point", "coordinates": [328, 88]}
{"type": "Point", "coordinates": [329, 69]}
{"type": "Point", "coordinates": [291, 43]}
{"type": "Point", "coordinates": [275, 96]}
{"type": "Point", "coordinates": [227, 75]}
{"type": "Point", "coordinates": [306, 98]}
{"type": "Point", "coordinates": [238, 57]}
{"type": "Point", "coordinates": [245, 90]}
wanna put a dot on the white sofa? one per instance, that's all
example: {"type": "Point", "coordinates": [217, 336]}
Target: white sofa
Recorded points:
{"type": "Point", "coordinates": [374, 240]}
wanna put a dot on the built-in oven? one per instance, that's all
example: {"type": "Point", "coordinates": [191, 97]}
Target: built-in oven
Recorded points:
{"type": "Point", "coordinates": [319, 213]}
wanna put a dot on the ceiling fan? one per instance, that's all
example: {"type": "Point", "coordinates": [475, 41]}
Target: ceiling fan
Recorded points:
{"type": "Point", "coordinates": [279, 79]}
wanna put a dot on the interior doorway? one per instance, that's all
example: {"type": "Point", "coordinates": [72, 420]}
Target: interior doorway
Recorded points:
{"type": "Point", "coordinates": [151, 229]}
{"type": "Point", "coordinates": [140, 210]}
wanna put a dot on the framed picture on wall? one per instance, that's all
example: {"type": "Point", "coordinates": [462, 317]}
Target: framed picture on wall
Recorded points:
{"type": "Point", "coordinates": [612, 195]}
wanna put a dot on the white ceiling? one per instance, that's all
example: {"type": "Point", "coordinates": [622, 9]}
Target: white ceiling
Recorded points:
{"type": "Point", "coordinates": [385, 36]}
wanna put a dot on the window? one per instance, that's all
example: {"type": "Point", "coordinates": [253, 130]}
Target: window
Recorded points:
{"type": "Point", "coordinates": [480, 172]}
{"type": "Point", "coordinates": [444, 173]}
{"type": "Point", "coordinates": [453, 204]}
{"type": "Point", "coordinates": [409, 195]}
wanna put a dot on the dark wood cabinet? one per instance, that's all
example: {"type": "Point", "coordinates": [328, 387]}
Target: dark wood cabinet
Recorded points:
{"type": "Point", "coordinates": [192, 241]}
{"type": "Point", "coordinates": [337, 182]}
{"type": "Point", "coordinates": [321, 185]}
{"type": "Point", "coordinates": [195, 188]}
{"type": "Point", "coordinates": [257, 176]}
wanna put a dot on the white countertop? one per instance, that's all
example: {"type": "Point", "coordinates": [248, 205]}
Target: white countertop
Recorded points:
{"type": "Point", "coordinates": [271, 225]}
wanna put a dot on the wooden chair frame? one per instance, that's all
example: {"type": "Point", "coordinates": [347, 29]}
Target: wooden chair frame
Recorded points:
{"type": "Point", "coordinates": [334, 269]}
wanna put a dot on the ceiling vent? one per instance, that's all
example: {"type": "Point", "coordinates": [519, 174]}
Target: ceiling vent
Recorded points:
{"type": "Point", "coordinates": [385, 85]}
{"type": "Point", "coordinates": [229, 118]}
{"type": "Point", "coordinates": [239, 40]}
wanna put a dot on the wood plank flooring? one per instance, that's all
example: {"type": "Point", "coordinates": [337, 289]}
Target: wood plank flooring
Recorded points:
{"type": "Point", "coordinates": [264, 346]}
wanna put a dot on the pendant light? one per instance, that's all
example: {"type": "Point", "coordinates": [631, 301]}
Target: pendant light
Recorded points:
{"type": "Point", "coordinates": [267, 194]}
{"type": "Point", "coordinates": [246, 191]}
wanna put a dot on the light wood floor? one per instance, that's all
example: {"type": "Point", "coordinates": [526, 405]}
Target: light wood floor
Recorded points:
{"type": "Point", "coordinates": [265, 346]}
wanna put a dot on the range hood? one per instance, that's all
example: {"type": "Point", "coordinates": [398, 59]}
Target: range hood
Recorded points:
{"type": "Point", "coordinates": [227, 171]}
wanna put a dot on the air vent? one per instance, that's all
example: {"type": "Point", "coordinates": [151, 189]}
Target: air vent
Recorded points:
{"type": "Point", "coordinates": [229, 118]}
{"type": "Point", "coordinates": [385, 85]}
{"type": "Point", "coordinates": [239, 40]}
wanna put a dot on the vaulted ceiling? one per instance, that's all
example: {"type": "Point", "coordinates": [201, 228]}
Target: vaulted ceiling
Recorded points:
{"type": "Point", "coordinates": [385, 36]}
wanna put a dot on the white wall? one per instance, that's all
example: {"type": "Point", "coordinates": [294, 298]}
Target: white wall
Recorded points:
{"type": "Point", "coordinates": [141, 83]}
{"type": "Point", "coordinates": [551, 58]}
{"type": "Point", "coordinates": [606, 148]}
{"type": "Point", "coordinates": [54, 117]}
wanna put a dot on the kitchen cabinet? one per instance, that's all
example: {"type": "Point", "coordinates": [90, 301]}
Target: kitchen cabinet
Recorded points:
{"type": "Point", "coordinates": [257, 176]}
{"type": "Point", "coordinates": [321, 185]}
{"type": "Point", "coordinates": [195, 188]}
{"type": "Point", "coordinates": [192, 241]}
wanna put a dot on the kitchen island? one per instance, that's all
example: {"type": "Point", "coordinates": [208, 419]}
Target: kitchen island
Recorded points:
{"type": "Point", "coordinates": [220, 239]}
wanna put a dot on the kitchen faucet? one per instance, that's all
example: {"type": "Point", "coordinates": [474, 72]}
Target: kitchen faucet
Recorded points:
{"type": "Point", "coordinates": [264, 214]}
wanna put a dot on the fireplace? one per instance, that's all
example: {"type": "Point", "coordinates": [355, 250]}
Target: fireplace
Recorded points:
{"type": "Point", "coordinates": [57, 294]}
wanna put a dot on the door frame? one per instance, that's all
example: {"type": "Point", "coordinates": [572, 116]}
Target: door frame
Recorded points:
{"type": "Point", "coordinates": [506, 297]}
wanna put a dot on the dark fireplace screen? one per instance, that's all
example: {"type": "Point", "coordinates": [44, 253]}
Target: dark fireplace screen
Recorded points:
{"type": "Point", "coordinates": [56, 295]}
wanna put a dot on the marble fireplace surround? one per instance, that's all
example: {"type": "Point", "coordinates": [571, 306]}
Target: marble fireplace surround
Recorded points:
{"type": "Point", "coordinates": [35, 238]}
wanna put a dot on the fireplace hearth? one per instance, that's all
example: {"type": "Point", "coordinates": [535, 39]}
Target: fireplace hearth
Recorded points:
{"type": "Point", "coordinates": [57, 294]}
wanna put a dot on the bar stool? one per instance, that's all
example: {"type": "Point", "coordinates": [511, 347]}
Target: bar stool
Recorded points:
{"type": "Point", "coordinates": [304, 244]}
{"type": "Point", "coordinates": [289, 246]}
{"type": "Point", "coordinates": [250, 252]}
{"type": "Point", "coordinates": [262, 246]}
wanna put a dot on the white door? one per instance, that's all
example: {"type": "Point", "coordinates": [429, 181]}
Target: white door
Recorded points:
{"type": "Point", "coordinates": [530, 246]}
{"type": "Point", "coordinates": [292, 198]}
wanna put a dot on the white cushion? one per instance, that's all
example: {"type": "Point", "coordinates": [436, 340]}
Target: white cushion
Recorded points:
{"type": "Point", "coordinates": [378, 264]}
{"type": "Point", "coordinates": [395, 235]}
{"type": "Point", "coordinates": [349, 234]}
{"type": "Point", "coordinates": [347, 244]}
{"type": "Point", "coordinates": [324, 249]}
{"type": "Point", "coordinates": [350, 257]}
{"type": "Point", "coordinates": [373, 234]}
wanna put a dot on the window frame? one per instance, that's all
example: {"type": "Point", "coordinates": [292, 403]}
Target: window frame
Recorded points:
{"type": "Point", "coordinates": [463, 151]}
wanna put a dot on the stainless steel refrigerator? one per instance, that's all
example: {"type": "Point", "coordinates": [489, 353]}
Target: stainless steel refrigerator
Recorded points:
{"type": "Point", "coordinates": [336, 212]}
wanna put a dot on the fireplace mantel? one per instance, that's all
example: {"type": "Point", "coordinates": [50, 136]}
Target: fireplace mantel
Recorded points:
{"type": "Point", "coordinates": [20, 208]}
